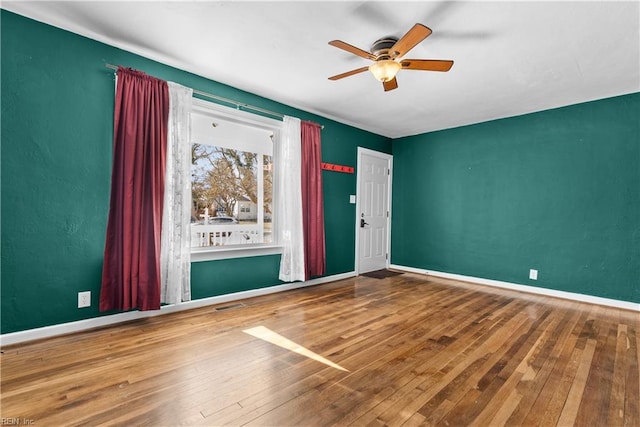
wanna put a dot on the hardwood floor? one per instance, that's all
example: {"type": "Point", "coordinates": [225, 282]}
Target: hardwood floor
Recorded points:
{"type": "Point", "coordinates": [417, 350]}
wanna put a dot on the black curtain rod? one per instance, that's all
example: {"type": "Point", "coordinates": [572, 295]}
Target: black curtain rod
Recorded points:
{"type": "Point", "coordinates": [225, 100]}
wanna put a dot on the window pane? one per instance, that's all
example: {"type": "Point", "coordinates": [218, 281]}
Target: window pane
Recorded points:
{"type": "Point", "coordinates": [229, 193]}
{"type": "Point", "coordinates": [268, 198]}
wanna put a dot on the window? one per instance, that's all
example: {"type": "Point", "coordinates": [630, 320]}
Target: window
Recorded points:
{"type": "Point", "coordinates": [231, 179]}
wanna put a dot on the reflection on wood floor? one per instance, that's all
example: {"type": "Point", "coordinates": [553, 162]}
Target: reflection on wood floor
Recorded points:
{"type": "Point", "coordinates": [415, 350]}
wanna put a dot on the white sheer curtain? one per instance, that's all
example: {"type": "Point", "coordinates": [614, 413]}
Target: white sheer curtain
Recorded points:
{"type": "Point", "coordinates": [288, 190]}
{"type": "Point", "coordinates": [175, 248]}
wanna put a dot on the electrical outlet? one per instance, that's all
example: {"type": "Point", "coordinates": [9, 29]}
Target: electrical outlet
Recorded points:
{"type": "Point", "coordinates": [533, 274]}
{"type": "Point", "coordinates": [84, 299]}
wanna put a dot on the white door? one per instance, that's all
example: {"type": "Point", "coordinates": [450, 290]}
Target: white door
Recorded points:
{"type": "Point", "coordinates": [373, 210]}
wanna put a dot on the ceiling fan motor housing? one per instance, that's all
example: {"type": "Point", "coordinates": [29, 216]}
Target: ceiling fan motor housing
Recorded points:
{"type": "Point", "coordinates": [380, 48]}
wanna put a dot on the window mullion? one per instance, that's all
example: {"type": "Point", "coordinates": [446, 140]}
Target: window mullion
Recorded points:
{"type": "Point", "coordinates": [260, 207]}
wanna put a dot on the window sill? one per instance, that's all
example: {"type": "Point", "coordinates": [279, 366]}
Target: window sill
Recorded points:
{"type": "Point", "coordinates": [208, 254]}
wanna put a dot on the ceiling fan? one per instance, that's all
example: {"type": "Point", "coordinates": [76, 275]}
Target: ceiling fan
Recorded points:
{"type": "Point", "coordinates": [386, 54]}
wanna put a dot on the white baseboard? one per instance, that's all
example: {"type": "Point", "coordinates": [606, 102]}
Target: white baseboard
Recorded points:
{"type": "Point", "coordinates": [96, 322]}
{"type": "Point", "coordinates": [626, 305]}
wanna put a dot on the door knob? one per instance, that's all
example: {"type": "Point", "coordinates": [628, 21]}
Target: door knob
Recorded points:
{"type": "Point", "coordinates": [363, 223]}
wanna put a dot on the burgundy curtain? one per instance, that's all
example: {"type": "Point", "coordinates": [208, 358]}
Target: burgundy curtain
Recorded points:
{"type": "Point", "coordinates": [312, 201]}
{"type": "Point", "coordinates": [131, 270]}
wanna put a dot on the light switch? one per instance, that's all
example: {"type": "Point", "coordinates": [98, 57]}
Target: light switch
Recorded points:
{"type": "Point", "coordinates": [352, 199]}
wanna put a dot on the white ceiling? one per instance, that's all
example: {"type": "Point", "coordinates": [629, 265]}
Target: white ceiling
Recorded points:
{"type": "Point", "coordinates": [510, 58]}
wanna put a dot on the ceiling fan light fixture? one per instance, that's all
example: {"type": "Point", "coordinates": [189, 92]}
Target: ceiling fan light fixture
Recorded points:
{"type": "Point", "coordinates": [385, 69]}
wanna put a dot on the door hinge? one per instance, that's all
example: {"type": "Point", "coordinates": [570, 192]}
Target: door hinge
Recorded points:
{"type": "Point", "coordinates": [386, 256]}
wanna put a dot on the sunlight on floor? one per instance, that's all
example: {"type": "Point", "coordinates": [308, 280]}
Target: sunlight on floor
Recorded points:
{"type": "Point", "coordinates": [268, 335]}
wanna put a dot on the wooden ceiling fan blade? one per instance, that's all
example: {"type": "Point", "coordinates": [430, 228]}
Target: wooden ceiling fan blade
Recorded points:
{"type": "Point", "coordinates": [390, 84]}
{"type": "Point", "coordinates": [415, 35]}
{"type": "Point", "coordinates": [352, 49]}
{"type": "Point", "coordinates": [349, 73]}
{"type": "Point", "coordinates": [426, 64]}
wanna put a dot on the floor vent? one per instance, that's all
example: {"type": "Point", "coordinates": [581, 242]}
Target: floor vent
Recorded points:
{"type": "Point", "coordinates": [229, 307]}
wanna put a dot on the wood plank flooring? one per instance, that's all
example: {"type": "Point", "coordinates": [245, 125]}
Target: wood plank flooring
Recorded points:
{"type": "Point", "coordinates": [418, 351]}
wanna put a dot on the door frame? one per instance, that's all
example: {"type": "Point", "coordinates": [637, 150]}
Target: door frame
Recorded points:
{"type": "Point", "coordinates": [389, 158]}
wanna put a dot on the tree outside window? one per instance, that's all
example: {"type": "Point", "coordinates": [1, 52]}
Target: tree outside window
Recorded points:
{"type": "Point", "coordinates": [227, 183]}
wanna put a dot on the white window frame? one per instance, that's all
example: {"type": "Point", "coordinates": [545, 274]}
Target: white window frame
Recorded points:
{"type": "Point", "coordinates": [220, 112]}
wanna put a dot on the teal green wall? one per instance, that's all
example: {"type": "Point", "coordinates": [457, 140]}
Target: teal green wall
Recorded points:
{"type": "Point", "coordinates": [57, 127]}
{"type": "Point", "coordinates": [557, 191]}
